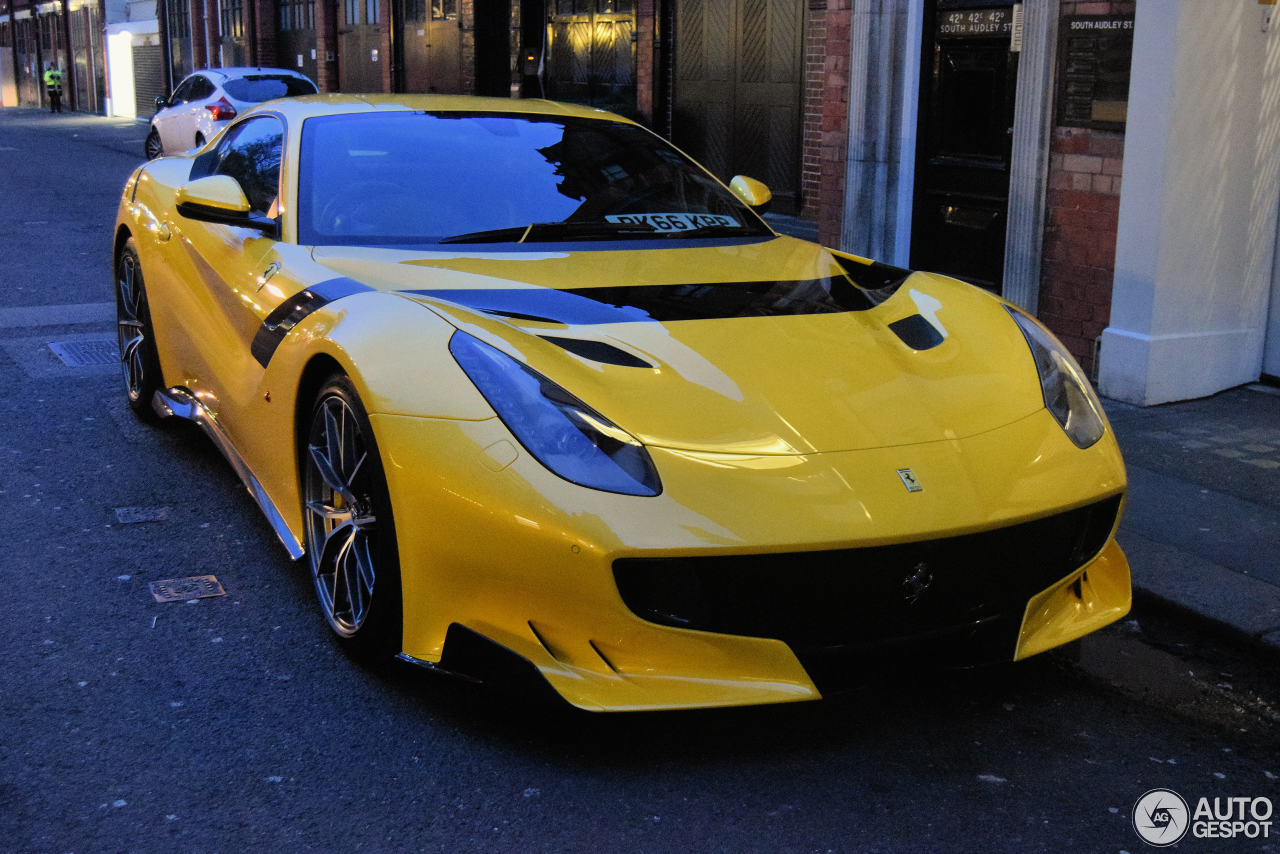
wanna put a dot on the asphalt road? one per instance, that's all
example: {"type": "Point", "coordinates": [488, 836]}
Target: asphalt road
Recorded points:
{"type": "Point", "coordinates": [233, 723]}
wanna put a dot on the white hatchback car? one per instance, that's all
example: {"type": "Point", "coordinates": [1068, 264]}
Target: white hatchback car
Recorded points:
{"type": "Point", "coordinates": [208, 99]}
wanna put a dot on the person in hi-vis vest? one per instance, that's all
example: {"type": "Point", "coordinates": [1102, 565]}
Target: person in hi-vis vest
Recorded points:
{"type": "Point", "coordinates": [53, 85]}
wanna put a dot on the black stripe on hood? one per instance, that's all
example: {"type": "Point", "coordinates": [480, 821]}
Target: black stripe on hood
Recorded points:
{"type": "Point", "coordinates": [708, 301]}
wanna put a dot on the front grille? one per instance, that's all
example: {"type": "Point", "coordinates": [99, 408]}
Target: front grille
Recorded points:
{"type": "Point", "coordinates": [977, 584]}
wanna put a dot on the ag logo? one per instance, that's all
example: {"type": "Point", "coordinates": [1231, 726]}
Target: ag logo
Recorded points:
{"type": "Point", "coordinates": [1161, 818]}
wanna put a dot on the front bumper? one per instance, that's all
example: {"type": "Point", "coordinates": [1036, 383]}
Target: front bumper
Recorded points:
{"type": "Point", "coordinates": [491, 541]}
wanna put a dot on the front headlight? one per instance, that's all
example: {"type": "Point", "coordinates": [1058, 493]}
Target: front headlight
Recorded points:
{"type": "Point", "coordinates": [1067, 394]}
{"type": "Point", "coordinates": [563, 433]}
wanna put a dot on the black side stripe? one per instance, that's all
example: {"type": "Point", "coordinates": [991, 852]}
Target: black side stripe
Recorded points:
{"type": "Point", "coordinates": [291, 312]}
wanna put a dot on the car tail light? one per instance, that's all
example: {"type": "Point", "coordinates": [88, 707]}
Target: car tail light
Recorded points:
{"type": "Point", "coordinates": [221, 109]}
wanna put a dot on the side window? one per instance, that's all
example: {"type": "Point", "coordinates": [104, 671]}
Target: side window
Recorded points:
{"type": "Point", "coordinates": [183, 93]}
{"type": "Point", "coordinates": [202, 88]}
{"type": "Point", "coordinates": [251, 153]}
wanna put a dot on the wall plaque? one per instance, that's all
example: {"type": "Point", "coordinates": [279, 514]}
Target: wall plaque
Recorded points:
{"type": "Point", "coordinates": [1094, 55]}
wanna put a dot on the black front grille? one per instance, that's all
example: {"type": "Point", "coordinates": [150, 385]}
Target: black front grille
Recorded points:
{"type": "Point", "coordinates": [972, 585]}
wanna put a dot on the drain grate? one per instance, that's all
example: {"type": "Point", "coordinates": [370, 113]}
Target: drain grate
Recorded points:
{"type": "Point", "coordinates": [137, 515]}
{"type": "Point", "coordinates": [184, 589]}
{"type": "Point", "coordinates": [87, 353]}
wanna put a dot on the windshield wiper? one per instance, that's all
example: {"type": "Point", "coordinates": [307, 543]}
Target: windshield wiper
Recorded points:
{"type": "Point", "coordinates": [550, 231]}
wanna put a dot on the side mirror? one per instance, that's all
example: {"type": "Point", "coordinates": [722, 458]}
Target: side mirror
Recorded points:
{"type": "Point", "coordinates": [755, 194]}
{"type": "Point", "coordinates": [161, 102]}
{"type": "Point", "coordinates": [220, 199]}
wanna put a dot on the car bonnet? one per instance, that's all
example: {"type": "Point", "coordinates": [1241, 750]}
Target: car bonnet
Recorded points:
{"type": "Point", "coordinates": [772, 347]}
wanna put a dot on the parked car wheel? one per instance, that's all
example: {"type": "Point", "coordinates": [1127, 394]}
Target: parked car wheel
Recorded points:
{"type": "Point", "coordinates": [154, 147]}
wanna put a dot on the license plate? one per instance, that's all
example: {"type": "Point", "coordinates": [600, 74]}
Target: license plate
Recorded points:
{"type": "Point", "coordinates": [674, 221]}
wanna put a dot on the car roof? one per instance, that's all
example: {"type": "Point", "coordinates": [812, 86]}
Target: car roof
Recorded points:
{"type": "Point", "coordinates": [334, 103]}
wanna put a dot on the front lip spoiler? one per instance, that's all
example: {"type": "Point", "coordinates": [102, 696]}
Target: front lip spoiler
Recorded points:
{"type": "Point", "coordinates": [181, 403]}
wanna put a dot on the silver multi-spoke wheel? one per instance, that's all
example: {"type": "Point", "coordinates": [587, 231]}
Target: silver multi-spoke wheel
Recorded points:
{"type": "Point", "coordinates": [350, 539]}
{"type": "Point", "coordinates": [129, 328]}
{"type": "Point", "coordinates": [153, 147]}
{"type": "Point", "coordinates": [139, 363]}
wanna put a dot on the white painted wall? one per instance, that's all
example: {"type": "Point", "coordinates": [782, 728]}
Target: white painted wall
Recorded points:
{"type": "Point", "coordinates": [1197, 231]}
{"type": "Point", "coordinates": [120, 71]}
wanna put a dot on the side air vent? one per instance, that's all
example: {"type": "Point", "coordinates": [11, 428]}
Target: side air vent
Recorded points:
{"type": "Point", "coordinates": [598, 351]}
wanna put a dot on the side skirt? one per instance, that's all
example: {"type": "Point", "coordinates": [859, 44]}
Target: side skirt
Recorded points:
{"type": "Point", "coordinates": [181, 403]}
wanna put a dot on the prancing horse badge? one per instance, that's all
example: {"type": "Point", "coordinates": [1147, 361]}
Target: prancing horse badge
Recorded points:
{"type": "Point", "coordinates": [910, 481]}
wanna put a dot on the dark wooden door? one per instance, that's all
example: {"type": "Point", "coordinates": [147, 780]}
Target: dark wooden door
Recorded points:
{"type": "Point", "coordinates": [360, 59]}
{"type": "Point", "coordinates": [591, 53]}
{"type": "Point", "coordinates": [296, 39]}
{"type": "Point", "coordinates": [964, 143]}
{"type": "Point", "coordinates": [431, 45]}
{"type": "Point", "coordinates": [738, 88]}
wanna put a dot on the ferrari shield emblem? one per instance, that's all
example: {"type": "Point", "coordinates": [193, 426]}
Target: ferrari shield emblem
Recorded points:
{"type": "Point", "coordinates": [910, 481]}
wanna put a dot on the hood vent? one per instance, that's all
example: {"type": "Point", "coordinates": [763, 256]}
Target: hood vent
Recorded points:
{"type": "Point", "coordinates": [917, 333]}
{"type": "Point", "coordinates": [598, 351]}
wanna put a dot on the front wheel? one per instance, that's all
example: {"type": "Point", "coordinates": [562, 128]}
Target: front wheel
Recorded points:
{"type": "Point", "coordinates": [153, 147]}
{"type": "Point", "coordinates": [350, 532]}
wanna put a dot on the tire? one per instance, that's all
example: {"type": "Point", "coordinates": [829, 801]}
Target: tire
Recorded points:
{"type": "Point", "coordinates": [139, 359]}
{"type": "Point", "coordinates": [349, 529]}
{"type": "Point", "coordinates": [153, 147]}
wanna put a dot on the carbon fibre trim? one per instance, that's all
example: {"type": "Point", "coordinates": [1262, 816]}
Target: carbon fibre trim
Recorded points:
{"type": "Point", "coordinates": [291, 312]}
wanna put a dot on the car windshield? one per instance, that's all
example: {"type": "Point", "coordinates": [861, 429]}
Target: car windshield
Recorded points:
{"type": "Point", "coordinates": [411, 178]}
{"type": "Point", "coordinates": [263, 87]}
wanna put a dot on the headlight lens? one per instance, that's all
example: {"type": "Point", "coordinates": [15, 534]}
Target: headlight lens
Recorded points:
{"type": "Point", "coordinates": [1067, 393]}
{"type": "Point", "coordinates": [563, 433]}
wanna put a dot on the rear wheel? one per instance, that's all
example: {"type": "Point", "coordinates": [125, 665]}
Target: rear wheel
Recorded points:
{"type": "Point", "coordinates": [153, 148]}
{"type": "Point", "coordinates": [350, 533]}
{"type": "Point", "coordinates": [139, 360]}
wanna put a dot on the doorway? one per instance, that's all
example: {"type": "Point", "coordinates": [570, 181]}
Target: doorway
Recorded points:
{"type": "Point", "coordinates": [739, 81]}
{"type": "Point", "coordinates": [431, 41]}
{"type": "Point", "coordinates": [360, 47]}
{"type": "Point", "coordinates": [297, 36]}
{"type": "Point", "coordinates": [591, 53]}
{"type": "Point", "coordinates": [964, 142]}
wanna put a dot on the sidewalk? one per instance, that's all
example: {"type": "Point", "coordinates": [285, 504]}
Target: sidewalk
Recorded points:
{"type": "Point", "coordinates": [1202, 523]}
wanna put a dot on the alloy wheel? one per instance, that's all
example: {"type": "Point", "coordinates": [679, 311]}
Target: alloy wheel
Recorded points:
{"type": "Point", "coordinates": [341, 527]}
{"type": "Point", "coordinates": [131, 329]}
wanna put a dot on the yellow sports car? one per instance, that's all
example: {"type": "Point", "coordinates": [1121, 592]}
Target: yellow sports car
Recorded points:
{"type": "Point", "coordinates": [537, 399]}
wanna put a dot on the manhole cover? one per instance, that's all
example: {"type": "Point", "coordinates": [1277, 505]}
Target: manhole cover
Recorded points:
{"type": "Point", "coordinates": [182, 589]}
{"type": "Point", "coordinates": [82, 354]}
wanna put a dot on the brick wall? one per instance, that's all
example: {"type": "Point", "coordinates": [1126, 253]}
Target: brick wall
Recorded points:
{"type": "Point", "coordinates": [1083, 208]}
{"type": "Point", "coordinates": [832, 132]}
{"type": "Point", "coordinates": [815, 44]}
{"type": "Point", "coordinates": [265, 33]}
{"type": "Point", "coordinates": [645, 66]}
{"type": "Point", "coordinates": [1078, 262]}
